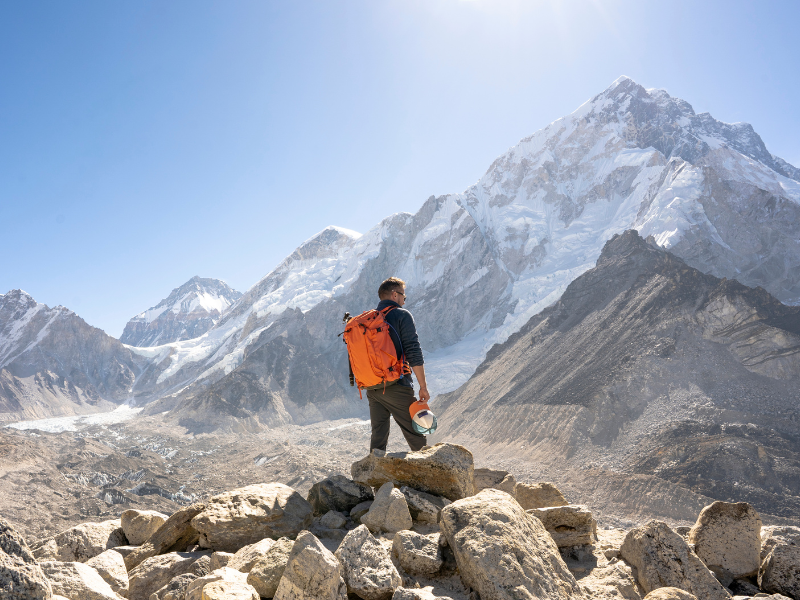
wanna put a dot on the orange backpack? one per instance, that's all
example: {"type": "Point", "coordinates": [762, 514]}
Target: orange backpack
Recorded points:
{"type": "Point", "coordinates": [373, 357]}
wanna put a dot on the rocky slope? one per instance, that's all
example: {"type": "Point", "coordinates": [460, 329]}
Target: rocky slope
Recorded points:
{"type": "Point", "coordinates": [646, 373]}
{"type": "Point", "coordinates": [408, 526]}
{"type": "Point", "coordinates": [188, 312]}
{"type": "Point", "coordinates": [53, 363]}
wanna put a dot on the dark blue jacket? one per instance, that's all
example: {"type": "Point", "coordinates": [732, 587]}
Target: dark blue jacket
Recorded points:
{"type": "Point", "coordinates": [402, 325]}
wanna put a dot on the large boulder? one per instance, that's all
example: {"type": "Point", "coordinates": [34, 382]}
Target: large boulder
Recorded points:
{"type": "Point", "coordinates": [111, 567]}
{"type": "Point", "coordinates": [312, 572]}
{"type": "Point", "coordinates": [196, 588]}
{"type": "Point", "coordinates": [389, 512]}
{"type": "Point", "coordinates": [229, 590]}
{"type": "Point", "coordinates": [491, 478]}
{"type": "Point", "coordinates": [538, 495]}
{"type": "Point", "coordinates": [22, 579]}
{"type": "Point", "coordinates": [337, 493]}
{"type": "Point", "coordinates": [727, 538]}
{"type": "Point", "coordinates": [155, 572]}
{"type": "Point", "coordinates": [424, 507]}
{"type": "Point", "coordinates": [670, 593]}
{"type": "Point", "coordinates": [662, 558]}
{"type": "Point", "coordinates": [139, 525]}
{"type": "Point", "coordinates": [780, 571]}
{"type": "Point", "coordinates": [368, 569]}
{"type": "Point", "coordinates": [240, 517]}
{"type": "Point", "coordinates": [82, 542]}
{"type": "Point", "coordinates": [267, 572]}
{"type": "Point", "coordinates": [504, 553]}
{"type": "Point", "coordinates": [571, 525]}
{"type": "Point", "coordinates": [246, 557]}
{"type": "Point", "coordinates": [175, 535]}
{"type": "Point", "coordinates": [417, 554]}
{"type": "Point", "coordinates": [77, 581]}
{"type": "Point", "coordinates": [774, 535]}
{"type": "Point", "coordinates": [444, 470]}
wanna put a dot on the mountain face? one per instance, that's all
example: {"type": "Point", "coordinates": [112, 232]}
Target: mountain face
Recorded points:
{"type": "Point", "coordinates": [480, 264]}
{"type": "Point", "coordinates": [647, 367]}
{"type": "Point", "coordinates": [188, 312]}
{"type": "Point", "coordinates": [52, 363]}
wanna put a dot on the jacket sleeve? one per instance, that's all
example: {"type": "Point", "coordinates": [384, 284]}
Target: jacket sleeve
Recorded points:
{"type": "Point", "coordinates": [409, 339]}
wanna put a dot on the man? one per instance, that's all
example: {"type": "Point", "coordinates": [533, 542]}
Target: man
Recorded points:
{"type": "Point", "coordinates": [395, 399]}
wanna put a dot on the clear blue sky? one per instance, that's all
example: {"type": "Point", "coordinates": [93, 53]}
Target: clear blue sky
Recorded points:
{"type": "Point", "coordinates": [142, 143]}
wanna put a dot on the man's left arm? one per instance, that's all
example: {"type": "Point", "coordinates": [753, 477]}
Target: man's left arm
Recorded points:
{"type": "Point", "coordinates": [413, 351]}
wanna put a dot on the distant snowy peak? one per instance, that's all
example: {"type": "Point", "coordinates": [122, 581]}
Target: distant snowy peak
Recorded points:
{"type": "Point", "coordinates": [188, 312]}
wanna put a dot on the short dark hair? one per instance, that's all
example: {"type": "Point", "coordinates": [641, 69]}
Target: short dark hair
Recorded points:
{"type": "Point", "coordinates": [393, 284]}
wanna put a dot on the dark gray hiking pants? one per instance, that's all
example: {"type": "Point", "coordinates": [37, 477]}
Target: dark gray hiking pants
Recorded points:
{"type": "Point", "coordinates": [394, 402]}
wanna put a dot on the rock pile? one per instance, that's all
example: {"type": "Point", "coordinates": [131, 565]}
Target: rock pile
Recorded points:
{"type": "Point", "coordinates": [413, 526]}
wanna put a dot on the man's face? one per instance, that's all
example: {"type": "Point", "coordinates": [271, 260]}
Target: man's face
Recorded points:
{"type": "Point", "coordinates": [399, 296]}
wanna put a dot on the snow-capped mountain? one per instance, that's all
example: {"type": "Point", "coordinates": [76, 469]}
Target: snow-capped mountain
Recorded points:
{"type": "Point", "coordinates": [188, 312]}
{"type": "Point", "coordinates": [52, 363]}
{"type": "Point", "coordinates": [480, 264]}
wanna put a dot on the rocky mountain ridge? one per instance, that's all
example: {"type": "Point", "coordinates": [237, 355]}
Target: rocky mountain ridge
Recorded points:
{"type": "Point", "coordinates": [188, 312]}
{"type": "Point", "coordinates": [647, 368]}
{"type": "Point", "coordinates": [420, 525]}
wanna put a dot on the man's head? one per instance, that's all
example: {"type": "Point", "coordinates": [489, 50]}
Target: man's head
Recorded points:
{"type": "Point", "coordinates": [393, 289]}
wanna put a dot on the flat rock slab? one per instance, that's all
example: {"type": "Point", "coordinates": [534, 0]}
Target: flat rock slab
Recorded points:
{"type": "Point", "coordinates": [662, 558]}
{"type": "Point", "coordinates": [780, 571]}
{"type": "Point", "coordinates": [368, 569]}
{"type": "Point", "coordinates": [443, 470]}
{"type": "Point", "coordinates": [247, 515]}
{"type": "Point", "coordinates": [539, 495]}
{"type": "Point", "coordinates": [571, 525]}
{"type": "Point", "coordinates": [504, 553]}
{"type": "Point", "coordinates": [175, 534]}
{"type": "Point", "coordinates": [77, 580]}
{"type": "Point", "coordinates": [82, 542]}
{"type": "Point", "coordinates": [389, 512]}
{"type": "Point", "coordinates": [337, 493]}
{"type": "Point", "coordinates": [22, 580]}
{"type": "Point", "coordinates": [727, 538]}
{"type": "Point", "coordinates": [229, 590]}
{"type": "Point", "coordinates": [492, 478]}
{"type": "Point", "coordinates": [312, 572]}
{"type": "Point", "coordinates": [138, 525]}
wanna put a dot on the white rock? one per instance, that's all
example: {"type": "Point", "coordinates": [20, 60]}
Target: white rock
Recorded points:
{"type": "Point", "coordinates": [155, 572]}
{"type": "Point", "coordinates": [82, 542]}
{"type": "Point", "coordinates": [333, 520]}
{"type": "Point", "coordinates": [229, 590]}
{"type": "Point", "coordinates": [111, 567]}
{"type": "Point", "coordinates": [416, 594]}
{"type": "Point", "coordinates": [780, 571]}
{"type": "Point", "coordinates": [389, 512]}
{"type": "Point", "coordinates": [139, 525]}
{"type": "Point", "coordinates": [538, 495]}
{"type": "Point", "coordinates": [312, 572]}
{"type": "Point", "coordinates": [77, 581]}
{"type": "Point", "coordinates": [417, 554]}
{"type": "Point", "coordinates": [773, 535]}
{"type": "Point", "coordinates": [491, 478]}
{"type": "Point", "coordinates": [612, 582]}
{"type": "Point", "coordinates": [266, 574]}
{"type": "Point", "coordinates": [194, 591]}
{"type": "Point", "coordinates": [21, 578]}
{"type": "Point", "coordinates": [220, 559]}
{"type": "Point", "coordinates": [670, 593]}
{"type": "Point", "coordinates": [504, 553]}
{"type": "Point", "coordinates": [246, 557]}
{"type": "Point", "coordinates": [727, 538]}
{"type": "Point", "coordinates": [368, 569]}
{"type": "Point", "coordinates": [662, 558]}
{"type": "Point", "coordinates": [571, 525]}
